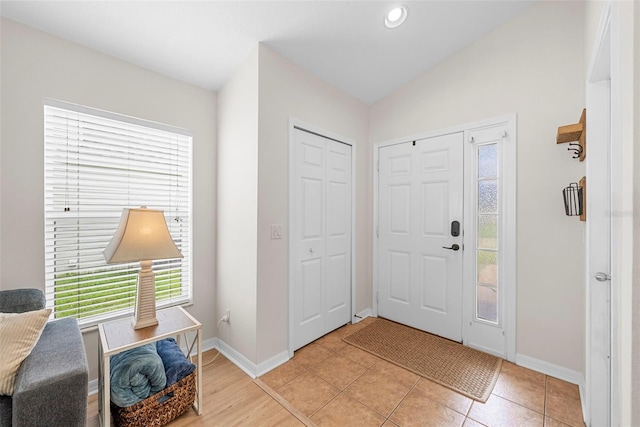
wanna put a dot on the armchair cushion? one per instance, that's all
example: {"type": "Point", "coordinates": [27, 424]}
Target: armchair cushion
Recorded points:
{"type": "Point", "coordinates": [51, 383]}
{"type": "Point", "coordinates": [21, 300]}
{"type": "Point", "coordinates": [19, 333]}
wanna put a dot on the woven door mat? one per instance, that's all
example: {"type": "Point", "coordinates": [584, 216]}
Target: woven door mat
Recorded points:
{"type": "Point", "coordinates": [462, 369]}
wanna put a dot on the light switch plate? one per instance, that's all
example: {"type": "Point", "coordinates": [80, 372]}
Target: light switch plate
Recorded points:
{"type": "Point", "coordinates": [276, 231]}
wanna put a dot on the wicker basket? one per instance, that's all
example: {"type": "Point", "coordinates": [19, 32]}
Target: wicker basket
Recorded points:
{"type": "Point", "coordinates": [158, 410]}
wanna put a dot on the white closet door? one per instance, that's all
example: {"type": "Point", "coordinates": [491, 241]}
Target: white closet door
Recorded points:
{"type": "Point", "coordinates": [322, 235]}
{"type": "Point", "coordinates": [419, 260]}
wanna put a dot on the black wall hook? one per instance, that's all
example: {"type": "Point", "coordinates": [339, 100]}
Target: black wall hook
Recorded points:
{"type": "Point", "coordinates": [576, 148]}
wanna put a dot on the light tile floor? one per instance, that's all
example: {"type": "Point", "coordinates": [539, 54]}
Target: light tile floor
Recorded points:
{"type": "Point", "coordinates": [336, 384]}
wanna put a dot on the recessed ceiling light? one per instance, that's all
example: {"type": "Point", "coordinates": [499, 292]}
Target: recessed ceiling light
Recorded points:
{"type": "Point", "coordinates": [395, 17]}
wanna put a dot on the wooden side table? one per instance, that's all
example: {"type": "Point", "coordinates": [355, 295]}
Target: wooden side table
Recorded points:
{"type": "Point", "coordinates": [118, 335]}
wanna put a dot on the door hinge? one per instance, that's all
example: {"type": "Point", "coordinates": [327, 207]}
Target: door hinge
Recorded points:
{"type": "Point", "coordinates": [377, 297]}
{"type": "Point", "coordinates": [378, 165]}
{"type": "Point", "coordinates": [377, 231]}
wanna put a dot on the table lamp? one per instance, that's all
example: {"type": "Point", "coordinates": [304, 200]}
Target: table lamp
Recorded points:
{"type": "Point", "coordinates": [142, 235]}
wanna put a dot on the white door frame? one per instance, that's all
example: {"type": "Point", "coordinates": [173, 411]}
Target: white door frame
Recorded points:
{"type": "Point", "coordinates": [618, 16]}
{"type": "Point", "coordinates": [510, 306]}
{"type": "Point", "coordinates": [299, 124]}
{"type": "Point", "coordinates": [507, 232]}
{"type": "Point", "coordinates": [598, 332]}
{"type": "Point", "coordinates": [622, 144]}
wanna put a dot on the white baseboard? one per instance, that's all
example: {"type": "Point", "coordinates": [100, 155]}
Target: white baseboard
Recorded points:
{"type": "Point", "coordinates": [568, 375]}
{"type": "Point", "coordinates": [209, 344]}
{"type": "Point", "coordinates": [358, 317]}
{"type": "Point", "coordinates": [272, 363]}
{"type": "Point", "coordinates": [237, 358]}
{"type": "Point", "coordinates": [248, 366]}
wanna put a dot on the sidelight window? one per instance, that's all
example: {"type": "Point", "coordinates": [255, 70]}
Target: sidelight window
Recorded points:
{"type": "Point", "coordinates": [487, 219]}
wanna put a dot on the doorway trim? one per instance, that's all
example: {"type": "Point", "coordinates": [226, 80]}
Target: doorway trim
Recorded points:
{"type": "Point", "coordinates": [509, 121]}
{"type": "Point", "coordinates": [617, 18]}
{"type": "Point", "coordinates": [622, 143]}
{"type": "Point", "coordinates": [621, 27]}
{"type": "Point", "coordinates": [598, 348]}
{"type": "Point", "coordinates": [307, 127]}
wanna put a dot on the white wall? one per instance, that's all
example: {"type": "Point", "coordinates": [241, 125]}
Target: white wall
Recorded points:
{"type": "Point", "coordinates": [635, 397]}
{"type": "Point", "coordinates": [287, 91]}
{"type": "Point", "coordinates": [532, 65]}
{"type": "Point", "coordinates": [36, 66]}
{"type": "Point", "coordinates": [238, 207]}
{"type": "Point", "coordinates": [253, 149]}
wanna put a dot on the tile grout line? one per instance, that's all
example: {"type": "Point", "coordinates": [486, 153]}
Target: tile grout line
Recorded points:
{"type": "Point", "coordinates": [335, 354]}
{"type": "Point", "coordinates": [402, 400]}
{"type": "Point", "coordinates": [284, 403]}
{"type": "Point", "coordinates": [367, 369]}
{"type": "Point", "coordinates": [387, 418]}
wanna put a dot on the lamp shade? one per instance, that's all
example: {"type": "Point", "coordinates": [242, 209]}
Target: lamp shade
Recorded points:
{"type": "Point", "coordinates": [142, 234]}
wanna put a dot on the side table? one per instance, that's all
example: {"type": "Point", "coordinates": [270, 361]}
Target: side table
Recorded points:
{"type": "Point", "coordinates": [118, 335]}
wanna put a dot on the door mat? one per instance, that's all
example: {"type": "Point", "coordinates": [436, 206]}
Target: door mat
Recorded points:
{"type": "Point", "coordinates": [462, 369]}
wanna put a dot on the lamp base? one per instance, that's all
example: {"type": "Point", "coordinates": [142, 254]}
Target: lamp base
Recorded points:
{"type": "Point", "coordinates": [145, 312]}
{"type": "Point", "coordinates": [144, 323]}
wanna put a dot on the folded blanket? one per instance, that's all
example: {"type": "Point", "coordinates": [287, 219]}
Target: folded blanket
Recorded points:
{"type": "Point", "coordinates": [176, 365]}
{"type": "Point", "coordinates": [136, 374]}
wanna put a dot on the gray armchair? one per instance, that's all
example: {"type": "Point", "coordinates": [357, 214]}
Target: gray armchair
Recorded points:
{"type": "Point", "coordinates": [52, 384]}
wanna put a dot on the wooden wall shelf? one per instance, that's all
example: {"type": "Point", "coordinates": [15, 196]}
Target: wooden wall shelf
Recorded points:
{"type": "Point", "coordinates": [575, 132]}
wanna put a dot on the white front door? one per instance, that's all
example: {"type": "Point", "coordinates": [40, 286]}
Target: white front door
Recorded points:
{"type": "Point", "coordinates": [420, 202]}
{"type": "Point", "coordinates": [322, 236]}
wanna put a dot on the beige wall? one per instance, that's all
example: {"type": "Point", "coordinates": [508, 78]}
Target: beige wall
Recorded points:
{"type": "Point", "coordinates": [36, 66]}
{"type": "Point", "coordinates": [238, 207]}
{"type": "Point", "coordinates": [253, 150]}
{"type": "Point", "coordinates": [635, 397]}
{"type": "Point", "coordinates": [518, 68]}
{"type": "Point", "coordinates": [288, 91]}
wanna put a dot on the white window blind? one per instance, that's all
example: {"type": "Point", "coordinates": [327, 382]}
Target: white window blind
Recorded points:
{"type": "Point", "coordinates": [96, 164]}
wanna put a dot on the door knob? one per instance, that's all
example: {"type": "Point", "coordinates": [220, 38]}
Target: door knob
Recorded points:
{"type": "Point", "coordinates": [602, 277]}
{"type": "Point", "coordinates": [311, 250]}
{"type": "Point", "coordinates": [453, 247]}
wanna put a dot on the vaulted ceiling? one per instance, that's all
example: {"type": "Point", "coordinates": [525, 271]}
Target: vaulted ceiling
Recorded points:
{"type": "Point", "coordinates": [204, 42]}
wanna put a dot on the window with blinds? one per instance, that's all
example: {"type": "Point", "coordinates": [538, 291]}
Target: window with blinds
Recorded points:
{"type": "Point", "coordinates": [96, 164]}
